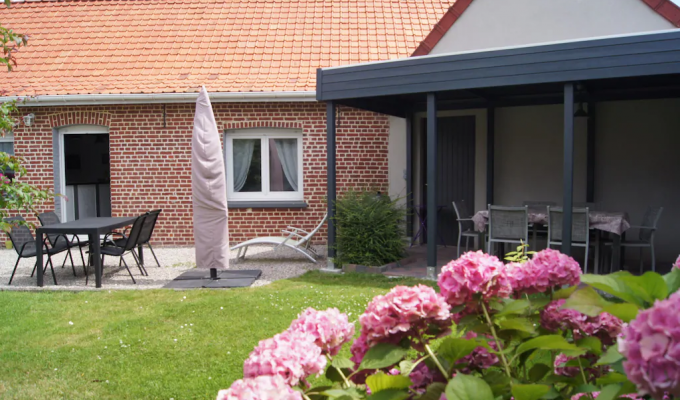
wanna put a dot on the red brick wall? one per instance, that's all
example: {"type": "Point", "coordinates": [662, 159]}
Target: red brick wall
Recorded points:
{"type": "Point", "coordinates": [150, 163]}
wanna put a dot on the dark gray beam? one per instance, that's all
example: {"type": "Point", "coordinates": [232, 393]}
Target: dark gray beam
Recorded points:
{"type": "Point", "coordinates": [568, 180]}
{"type": "Point", "coordinates": [409, 174]}
{"type": "Point", "coordinates": [490, 152]}
{"type": "Point", "coordinates": [431, 185]}
{"type": "Point", "coordinates": [330, 153]}
{"type": "Point", "coordinates": [590, 154]}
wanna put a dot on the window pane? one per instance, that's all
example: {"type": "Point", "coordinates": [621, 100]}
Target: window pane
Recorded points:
{"type": "Point", "coordinates": [7, 147]}
{"type": "Point", "coordinates": [283, 165]}
{"type": "Point", "coordinates": [247, 165]}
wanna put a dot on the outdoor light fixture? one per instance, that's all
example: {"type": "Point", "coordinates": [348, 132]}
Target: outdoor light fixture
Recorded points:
{"type": "Point", "coordinates": [28, 119]}
{"type": "Point", "coordinates": [580, 113]}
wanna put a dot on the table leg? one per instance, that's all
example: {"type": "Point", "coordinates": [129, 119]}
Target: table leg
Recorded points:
{"type": "Point", "coordinates": [96, 259]}
{"type": "Point", "coordinates": [616, 252]}
{"type": "Point", "coordinates": [39, 256]}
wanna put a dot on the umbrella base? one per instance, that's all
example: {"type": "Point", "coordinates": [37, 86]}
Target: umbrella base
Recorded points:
{"type": "Point", "coordinates": [214, 279]}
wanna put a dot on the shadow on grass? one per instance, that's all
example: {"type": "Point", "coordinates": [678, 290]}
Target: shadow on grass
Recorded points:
{"type": "Point", "coordinates": [358, 280]}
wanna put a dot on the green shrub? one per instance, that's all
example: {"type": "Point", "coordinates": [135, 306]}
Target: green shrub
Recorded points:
{"type": "Point", "coordinates": [370, 229]}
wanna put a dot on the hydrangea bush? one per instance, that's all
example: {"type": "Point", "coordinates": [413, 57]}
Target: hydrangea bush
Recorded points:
{"type": "Point", "coordinates": [532, 329]}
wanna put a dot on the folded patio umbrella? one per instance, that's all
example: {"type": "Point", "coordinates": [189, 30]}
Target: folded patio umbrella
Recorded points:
{"type": "Point", "coordinates": [209, 188]}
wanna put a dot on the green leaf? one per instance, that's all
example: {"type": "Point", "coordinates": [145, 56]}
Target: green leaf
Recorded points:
{"type": "Point", "coordinates": [342, 362]}
{"type": "Point", "coordinates": [351, 393]}
{"type": "Point", "coordinates": [654, 285]}
{"type": "Point", "coordinates": [391, 394]}
{"type": "Point", "coordinates": [587, 301]}
{"type": "Point", "coordinates": [585, 388]}
{"type": "Point", "coordinates": [382, 381]}
{"type": "Point", "coordinates": [609, 392]}
{"type": "Point", "coordinates": [529, 392]}
{"type": "Point", "coordinates": [382, 355]}
{"type": "Point", "coordinates": [552, 394]}
{"type": "Point", "coordinates": [564, 293]}
{"type": "Point", "coordinates": [538, 372]}
{"type": "Point", "coordinates": [610, 356]}
{"type": "Point", "coordinates": [434, 391]}
{"type": "Point", "coordinates": [468, 387]}
{"type": "Point", "coordinates": [549, 342]}
{"type": "Point", "coordinates": [406, 367]}
{"type": "Point", "coordinates": [672, 280]}
{"type": "Point", "coordinates": [612, 377]}
{"type": "Point", "coordinates": [620, 284]}
{"type": "Point", "coordinates": [593, 344]}
{"type": "Point", "coordinates": [624, 311]}
{"type": "Point", "coordinates": [453, 349]}
{"type": "Point", "coordinates": [333, 375]}
{"type": "Point", "coordinates": [517, 324]}
{"type": "Point", "coordinates": [514, 307]}
{"type": "Point", "coordinates": [498, 381]}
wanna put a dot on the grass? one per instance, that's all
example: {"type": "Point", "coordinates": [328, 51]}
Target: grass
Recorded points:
{"type": "Point", "coordinates": [159, 344]}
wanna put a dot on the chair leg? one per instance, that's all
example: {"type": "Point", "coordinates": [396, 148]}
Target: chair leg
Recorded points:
{"type": "Point", "coordinates": [128, 269]}
{"type": "Point", "coordinates": [142, 270]}
{"type": "Point", "coordinates": [154, 255]}
{"type": "Point", "coordinates": [49, 261]}
{"type": "Point", "coordinates": [73, 265]}
{"type": "Point", "coordinates": [585, 263]}
{"type": "Point", "coordinates": [651, 248]}
{"type": "Point", "coordinates": [15, 270]}
{"type": "Point", "coordinates": [642, 264]}
{"type": "Point", "coordinates": [459, 238]}
{"type": "Point", "coordinates": [82, 258]}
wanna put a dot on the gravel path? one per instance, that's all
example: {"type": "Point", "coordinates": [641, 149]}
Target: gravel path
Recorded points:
{"type": "Point", "coordinates": [275, 264]}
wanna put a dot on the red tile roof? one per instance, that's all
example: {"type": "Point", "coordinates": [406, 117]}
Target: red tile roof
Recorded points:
{"type": "Point", "coordinates": [165, 46]}
{"type": "Point", "coordinates": [665, 8]}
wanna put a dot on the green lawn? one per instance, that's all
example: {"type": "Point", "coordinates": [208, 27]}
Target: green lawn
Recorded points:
{"type": "Point", "coordinates": [158, 344]}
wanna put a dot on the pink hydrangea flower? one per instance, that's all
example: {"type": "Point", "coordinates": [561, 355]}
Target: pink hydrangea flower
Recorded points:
{"type": "Point", "coordinates": [404, 312]}
{"type": "Point", "coordinates": [549, 268]}
{"type": "Point", "coordinates": [331, 328]}
{"type": "Point", "coordinates": [605, 327]}
{"type": "Point", "coordinates": [359, 349]}
{"type": "Point", "coordinates": [572, 371]}
{"type": "Point", "coordinates": [554, 317]}
{"type": "Point", "coordinates": [422, 376]}
{"type": "Point", "coordinates": [677, 263]}
{"type": "Point", "coordinates": [480, 358]}
{"type": "Point", "coordinates": [651, 345]}
{"type": "Point", "coordinates": [473, 274]}
{"type": "Point", "coordinates": [293, 355]}
{"type": "Point", "coordinates": [266, 387]}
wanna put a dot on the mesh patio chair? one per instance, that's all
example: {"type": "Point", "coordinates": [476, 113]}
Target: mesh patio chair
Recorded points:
{"type": "Point", "coordinates": [51, 218]}
{"type": "Point", "coordinates": [580, 230]}
{"type": "Point", "coordinates": [23, 243]}
{"type": "Point", "coordinates": [131, 242]}
{"type": "Point", "coordinates": [466, 228]}
{"type": "Point", "coordinates": [538, 230]}
{"type": "Point", "coordinates": [297, 239]}
{"type": "Point", "coordinates": [646, 233]}
{"type": "Point", "coordinates": [145, 234]}
{"type": "Point", "coordinates": [508, 225]}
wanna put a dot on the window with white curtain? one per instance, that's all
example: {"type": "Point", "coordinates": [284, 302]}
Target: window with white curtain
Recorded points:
{"type": "Point", "coordinates": [264, 165]}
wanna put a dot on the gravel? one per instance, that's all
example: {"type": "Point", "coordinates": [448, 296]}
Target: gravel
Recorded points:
{"type": "Point", "coordinates": [276, 264]}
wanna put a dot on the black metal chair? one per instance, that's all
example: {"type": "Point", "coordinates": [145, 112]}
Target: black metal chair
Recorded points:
{"type": "Point", "coordinates": [51, 218]}
{"type": "Point", "coordinates": [24, 244]}
{"type": "Point", "coordinates": [145, 235]}
{"type": "Point", "coordinates": [130, 242]}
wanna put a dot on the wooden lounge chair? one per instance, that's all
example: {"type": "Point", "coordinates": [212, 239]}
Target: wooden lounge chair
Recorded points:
{"type": "Point", "coordinates": [297, 239]}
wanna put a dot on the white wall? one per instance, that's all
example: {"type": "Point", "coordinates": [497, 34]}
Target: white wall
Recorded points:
{"type": "Point", "coordinates": [503, 23]}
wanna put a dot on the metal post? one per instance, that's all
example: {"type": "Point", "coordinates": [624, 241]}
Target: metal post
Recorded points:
{"type": "Point", "coordinates": [568, 179]}
{"type": "Point", "coordinates": [330, 153]}
{"type": "Point", "coordinates": [490, 147]}
{"type": "Point", "coordinates": [409, 174]}
{"type": "Point", "coordinates": [431, 186]}
{"type": "Point", "coordinates": [39, 256]}
{"type": "Point", "coordinates": [590, 157]}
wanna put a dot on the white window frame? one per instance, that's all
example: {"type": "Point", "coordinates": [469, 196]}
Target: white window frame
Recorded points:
{"type": "Point", "coordinates": [264, 134]}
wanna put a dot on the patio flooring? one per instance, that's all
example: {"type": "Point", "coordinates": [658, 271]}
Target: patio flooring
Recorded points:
{"type": "Point", "coordinates": [275, 264]}
{"type": "Point", "coordinates": [415, 263]}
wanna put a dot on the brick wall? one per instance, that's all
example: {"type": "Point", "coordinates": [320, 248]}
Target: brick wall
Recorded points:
{"type": "Point", "coordinates": [150, 163]}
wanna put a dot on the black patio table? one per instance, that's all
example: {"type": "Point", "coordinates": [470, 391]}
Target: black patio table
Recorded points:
{"type": "Point", "coordinates": [94, 228]}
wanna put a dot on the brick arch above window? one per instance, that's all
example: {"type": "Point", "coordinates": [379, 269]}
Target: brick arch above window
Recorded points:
{"type": "Point", "coordinates": [79, 118]}
{"type": "Point", "coordinates": [263, 124]}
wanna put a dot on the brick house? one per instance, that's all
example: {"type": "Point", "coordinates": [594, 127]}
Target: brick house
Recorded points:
{"type": "Point", "coordinates": [112, 85]}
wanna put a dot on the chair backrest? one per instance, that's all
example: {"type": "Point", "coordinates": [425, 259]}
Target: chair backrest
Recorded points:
{"type": "Point", "coordinates": [649, 221]}
{"type": "Point", "coordinates": [539, 205]}
{"type": "Point", "coordinates": [135, 232]}
{"type": "Point", "coordinates": [148, 227]}
{"type": "Point", "coordinates": [580, 224]}
{"type": "Point", "coordinates": [462, 212]}
{"type": "Point", "coordinates": [311, 234]}
{"type": "Point", "coordinates": [51, 218]}
{"type": "Point", "coordinates": [509, 223]}
{"type": "Point", "coordinates": [19, 234]}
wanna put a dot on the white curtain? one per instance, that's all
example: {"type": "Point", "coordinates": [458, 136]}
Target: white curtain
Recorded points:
{"type": "Point", "coordinates": [243, 155]}
{"type": "Point", "coordinates": [288, 154]}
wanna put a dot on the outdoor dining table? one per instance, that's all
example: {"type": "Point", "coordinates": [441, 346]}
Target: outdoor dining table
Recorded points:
{"type": "Point", "coordinates": [94, 228]}
{"type": "Point", "coordinates": [613, 222]}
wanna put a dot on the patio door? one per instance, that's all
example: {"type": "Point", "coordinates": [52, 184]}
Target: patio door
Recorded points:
{"type": "Point", "coordinates": [455, 171]}
{"type": "Point", "coordinates": [85, 172]}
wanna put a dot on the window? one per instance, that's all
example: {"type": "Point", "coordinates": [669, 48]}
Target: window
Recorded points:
{"type": "Point", "coordinates": [7, 146]}
{"type": "Point", "coordinates": [264, 165]}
